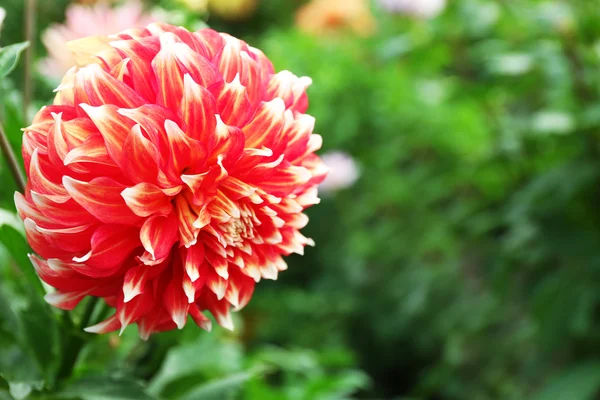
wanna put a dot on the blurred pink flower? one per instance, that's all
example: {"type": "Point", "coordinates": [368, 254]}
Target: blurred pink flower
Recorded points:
{"type": "Point", "coordinates": [343, 171]}
{"type": "Point", "coordinates": [88, 20]}
{"type": "Point", "coordinates": [415, 8]}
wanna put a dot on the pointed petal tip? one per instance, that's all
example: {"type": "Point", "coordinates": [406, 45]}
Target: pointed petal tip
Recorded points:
{"type": "Point", "coordinates": [180, 320]}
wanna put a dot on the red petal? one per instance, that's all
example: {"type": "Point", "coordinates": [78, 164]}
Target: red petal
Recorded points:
{"type": "Point", "coordinates": [233, 104]}
{"type": "Point", "coordinates": [193, 261]}
{"type": "Point", "coordinates": [211, 39]}
{"type": "Point", "coordinates": [39, 172]}
{"type": "Point", "coordinates": [219, 264]}
{"type": "Point", "coordinates": [141, 157]}
{"type": "Point", "coordinates": [229, 144]}
{"type": "Point", "coordinates": [101, 88]}
{"type": "Point", "coordinates": [266, 125]}
{"type": "Point", "coordinates": [110, 324]}
{"type": "Point", "coordinates": [185, 153]}
{"type": "Point", "coordinates": [198, 111]}
{"type": "Point", "coordinates": [102, 198]}
{"type": "Point", "coordinates": [240, 289]}
{"type": "Point", "coordinates": [135, 309]}
{"type": "Point", "coordinates": [168, 74]}
{"type": "Point", "coordinates": [67, 212]}
{"type": "Point", "coordinates": [187, 232]}
{"type": "Point", "coordinates": [111, 245]}
{"type": "Point", "coordinates": [158, 235]}
{"type": "Point", "coordinates": [146, 199]}
{"type": "Point", "coordinates": [134, 282]}
{"type": "Point", "coordinates": [218, 308]}
{"type": "Point", "coordinates": [176, 302]}
{"type": "Point", "coordinates": [113, 127]}
{"type": "Point", "coordinates": [141, 52]}
{"type": "Point", "coordinates": [200, 319]}
{"type": "Point", "coordinates": [91, 151]}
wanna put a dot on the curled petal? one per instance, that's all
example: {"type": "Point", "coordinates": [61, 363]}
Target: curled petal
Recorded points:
{"type": "Point", "coordinates": [142, 155]}
{"type": "Point", "coordinates": [266, 125]}
{"type": "Point", "coordinates": [198, 111]}
{"type": "Point", "coordinates": [193, 261]}
{"type": "Point", "coordinates": [99, 87]}
{"type": "Point", "coordinates": [110, 245]}
{"type": "Point", "coordinates": [158, 234]}
{"type": "Point", "coordinates": [134, 282]}
{"type": "Point", "coordinates": [176, 302]}
{"type": "Point", "coordinates": [234, 104]}
{"type": "Point", "coordinates": [102, 198]}
{"type": "Point", "coordinates": [113, 127]}
{"type": "Point", "coordinates": [146, 199]}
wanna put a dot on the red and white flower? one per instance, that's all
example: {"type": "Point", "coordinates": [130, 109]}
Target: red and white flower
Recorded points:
{"type": "Point", "coordinates": [168, 177]}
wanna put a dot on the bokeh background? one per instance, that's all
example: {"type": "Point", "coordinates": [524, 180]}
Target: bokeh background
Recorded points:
{"type": "Point", "coordinates": [458, 240]}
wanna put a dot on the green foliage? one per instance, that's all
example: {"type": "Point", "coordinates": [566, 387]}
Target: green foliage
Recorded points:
{"type": "Point", "coordinates": [9, 57]}
{"type": "Point", "coordinates": [463, 264]}
{"type": "Point", "coordinates": [105, 388]}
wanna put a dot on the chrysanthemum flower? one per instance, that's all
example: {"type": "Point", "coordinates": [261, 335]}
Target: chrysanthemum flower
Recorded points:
{"type": "Point", "coordinates": [88, 20]}
{"type": "Point", "coordinates": [168, 177]}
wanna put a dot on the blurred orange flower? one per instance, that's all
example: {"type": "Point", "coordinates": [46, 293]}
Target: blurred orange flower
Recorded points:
{"type": "Point", "coordinates": [323, 17]}
{"type": "Point", "coordinates": [232, 10]}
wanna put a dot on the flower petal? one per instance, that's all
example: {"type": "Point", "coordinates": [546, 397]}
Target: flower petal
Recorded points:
{"type": "Point", "coordinates": [158, 234]}
{"type": "Point", "coordinates": [146, 199]}
{"type": "Point", "coordinates": [102, 198]}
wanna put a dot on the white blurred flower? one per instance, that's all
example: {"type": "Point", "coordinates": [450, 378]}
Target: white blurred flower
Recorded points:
{"type": "Point", "coordinates": [343, 171]}
{"type": "Point", "coordinates": [415, 8]}
{"type": "Point", "coordinates": [88, 20]}
{"type": "Point", "coordinates": [553, 122]}
{"type": "Point", "coordinates": [2, 16]}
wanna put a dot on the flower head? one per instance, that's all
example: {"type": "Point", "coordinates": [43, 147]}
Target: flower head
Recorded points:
{"type": "Point", "coordinates": [415, 8]}
{"type": "Point", "coordinates": [343, 171]}
{"type": "Point", "coordinates": [88, 20]}
{"type": "Point", "coordinates": [324, 17]}
{"type": "Point", "coordinates": [168, 177]}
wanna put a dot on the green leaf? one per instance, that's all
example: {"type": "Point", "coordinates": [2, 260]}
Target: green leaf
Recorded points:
{"type": "Point", "coordinates": [9, 57]}
{"type": "Point", "coordinates": [219, 389]}
{"type": "Point", "coordinates": [39, 335]}
{"type": "Point", "coordinates": [581, 382]}
{"type": "Point", "coordinates": [14, 241]}
{"type": "Point", "coordinates": [217, 358]}
{"type": "Point", "coordinates": [105, 388]}
{"type": "Point", "coordinates": [4, 395]}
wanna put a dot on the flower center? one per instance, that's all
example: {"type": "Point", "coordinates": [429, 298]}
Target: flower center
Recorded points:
{"type": "Point", "coordinates": [236, 230]}
{"type": "Point", "coordinates": [240, 227]}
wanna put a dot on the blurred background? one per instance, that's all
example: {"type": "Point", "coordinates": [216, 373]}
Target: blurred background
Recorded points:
{"type": "Point", "coordinates": [458, 238]}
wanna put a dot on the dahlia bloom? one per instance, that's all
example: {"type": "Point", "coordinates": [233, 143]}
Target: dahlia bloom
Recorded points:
{"type": "Point", "coordinates": [416, 8]}
{"type": "Point", "coordinates": [343, 171]}
{"type": "Point", "coordinates": [325, 17]}
{"type": "Point", "coordinates": [87, 20]}
{"type": "Point", "coordinates": [168, 177]}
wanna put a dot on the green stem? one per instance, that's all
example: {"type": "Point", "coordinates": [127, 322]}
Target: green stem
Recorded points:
{"type": "Point", "coordinates": [11, 159]}
{"type": "Point", "coordinates": [76, 341]}
{"type": "Point", "coordinates": [29, 56]}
